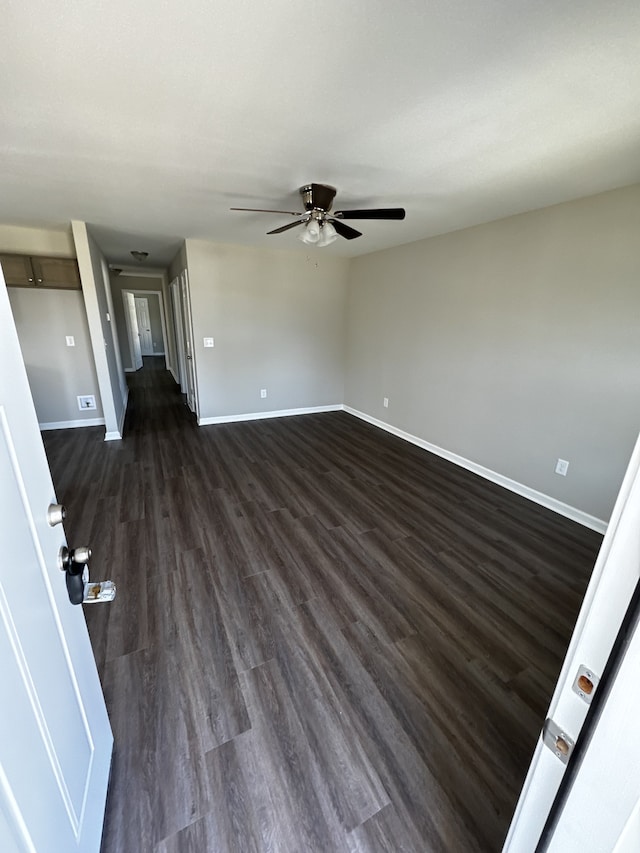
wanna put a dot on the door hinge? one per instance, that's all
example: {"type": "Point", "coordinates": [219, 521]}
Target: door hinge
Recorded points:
{"type": "Point", "coordinates": [557, 740]}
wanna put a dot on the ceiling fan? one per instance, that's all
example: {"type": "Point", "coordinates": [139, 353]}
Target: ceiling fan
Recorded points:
{"type": "Point", "coordinates": [322, 226]}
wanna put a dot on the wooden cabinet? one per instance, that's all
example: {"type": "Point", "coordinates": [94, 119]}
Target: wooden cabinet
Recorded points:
{"type": "Point", "coordinates": [36, 271]}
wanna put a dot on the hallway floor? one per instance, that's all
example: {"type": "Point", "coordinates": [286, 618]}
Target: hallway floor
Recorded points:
{"type": "Point", "coordinates": [324, 638]}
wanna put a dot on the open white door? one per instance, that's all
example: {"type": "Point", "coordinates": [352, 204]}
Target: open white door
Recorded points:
{"type": "Point", "coordinates": [55, 738]}
{"type": "Point", "coordinates": [187, 328]}
{"type": "Point", "coordinates": [608, 595]}
{"type": "Point", "coordinates": [144, 325]}
{"type": "Point", "coordinates": [176, 302]}
{"type": "Point", "coordinates": [132, 329]}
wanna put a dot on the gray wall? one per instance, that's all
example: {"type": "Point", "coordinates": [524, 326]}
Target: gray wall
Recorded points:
{"type": "Point", "coordinates": [277, 318]}
{"type": "Point", "coordinates": [58, 374]}
{"type": "Point", "coordinates": [94, 274]}
{"type": "Point", "coordinates": [511, 344]}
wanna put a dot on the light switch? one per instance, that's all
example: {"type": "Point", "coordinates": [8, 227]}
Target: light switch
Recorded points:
{"type": "Point", "coordinates": [71, 341]}
{"type": "Point", "coordinates": [208, 342]}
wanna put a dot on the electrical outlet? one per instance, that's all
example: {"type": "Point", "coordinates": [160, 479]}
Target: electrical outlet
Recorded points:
{"type": "Point", "coordinates": [562, 466]}
{"type": "Point", "coordinates": [208, 342]}
{"type": "Point", "coordinates": [86, 402]}
{"type": "Point", "coordinates": [71, 341]}
{"type": "Point", "coordinates": [263, 393]}
{"type": "Point", "coordinates": [385, 402]}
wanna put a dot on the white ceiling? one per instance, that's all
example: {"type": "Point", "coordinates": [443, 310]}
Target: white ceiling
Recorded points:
{"type": "Point", "coordinates": [149, 119]}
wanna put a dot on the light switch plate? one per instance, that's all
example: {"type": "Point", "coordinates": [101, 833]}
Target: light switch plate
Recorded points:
{"type": "Point", "coordinates": [208, 342]}
{"type": "Point", "coordinates": [71, 341]}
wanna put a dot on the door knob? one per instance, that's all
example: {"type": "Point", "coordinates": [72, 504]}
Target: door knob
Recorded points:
{"type": "Point", "coordinates": [75, 564]}
{"type": "Point", "coordinates": [73, 561]}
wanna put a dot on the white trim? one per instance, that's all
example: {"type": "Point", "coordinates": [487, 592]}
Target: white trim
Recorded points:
{"type": "Point", "coordinates": [173, 373]}
{"type": "Point", "coordinates": [87, 422]}
{"type": "Point", "coordinates": [258, 416]}
{"type": "Point", "coordinates": [131, 369]}
{"type": "Point", "coordinates": [112, 436]}
{"type": "Point", "coordinates": [561, 508]}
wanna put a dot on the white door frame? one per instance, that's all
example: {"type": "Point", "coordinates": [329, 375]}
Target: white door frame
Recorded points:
{"type": "Point", "coordinates": [158, 293]}
{"type": "Point", "coordinates": [610, 589]}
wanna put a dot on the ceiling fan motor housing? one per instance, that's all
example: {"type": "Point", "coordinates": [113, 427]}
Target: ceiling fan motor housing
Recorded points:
{"type": "Point", "coordinates": [317, 196]}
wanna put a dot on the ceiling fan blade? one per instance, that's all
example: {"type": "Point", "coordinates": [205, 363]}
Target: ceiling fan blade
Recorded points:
{"type": "Point", "coordinates": [373, 213]}
{"type": "Point", "coordinates": [345, 230]}
{"type": "Point", "coordinates": [261, 210]}
{"type": "Point", "coordinates": [286, 227]}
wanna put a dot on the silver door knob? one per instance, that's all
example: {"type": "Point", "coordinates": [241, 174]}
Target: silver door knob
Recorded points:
{"type": "Point", "coordinates": [56, 514]}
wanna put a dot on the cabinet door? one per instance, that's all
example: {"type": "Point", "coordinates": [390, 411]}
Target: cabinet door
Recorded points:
{"type": "Point", "coordinates": [17, 270]}
{"type": "Point", "coordinates": [56, 272]}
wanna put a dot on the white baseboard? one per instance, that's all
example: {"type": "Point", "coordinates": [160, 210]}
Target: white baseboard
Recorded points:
{"type": "Point", "coordinates": [257, 416]}
{"type": "Point", "coordinates": [86, 422]}
{"type": "Point", "coordinates": [561, 508]}
{"type": "Point", "coordinates": [114, 435]}
{"type": "Point", "coordinates": [129, 370]}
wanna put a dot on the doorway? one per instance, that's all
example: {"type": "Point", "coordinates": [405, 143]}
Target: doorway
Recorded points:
{"type": "Point", "coordinates": [145, 323]}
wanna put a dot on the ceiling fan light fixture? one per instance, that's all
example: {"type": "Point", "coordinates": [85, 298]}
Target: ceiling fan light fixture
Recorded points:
{"type": "Point", "coordinates": [311, 234]}
{"type": "Point", "coordinates": [327, 235]}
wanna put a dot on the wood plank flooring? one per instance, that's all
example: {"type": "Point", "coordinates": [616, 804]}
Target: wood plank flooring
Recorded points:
{"type": "Point", "coordinates": [324, 639]}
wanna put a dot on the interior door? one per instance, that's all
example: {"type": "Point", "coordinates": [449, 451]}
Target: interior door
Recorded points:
{"type": "Point", "coordinates": [55, 737]}
{"type": "Point", "coordinates": [192, 399]}
{"type": "Point", "coordinates": [610, 589]}
{"type": "Point", "coordinates": [144, 325]}
{"type": "Point", "coordinates": [176, 301]}
{"type": "Point", "coordinates": [131, 318]}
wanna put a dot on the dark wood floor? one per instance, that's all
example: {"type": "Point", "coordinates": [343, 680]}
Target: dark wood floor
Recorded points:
{"type": "Point", "coordinates": [325, 639]}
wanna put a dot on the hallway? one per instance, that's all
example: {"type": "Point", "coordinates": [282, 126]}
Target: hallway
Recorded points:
{"type": "Point", "coordinates": [324, 638]}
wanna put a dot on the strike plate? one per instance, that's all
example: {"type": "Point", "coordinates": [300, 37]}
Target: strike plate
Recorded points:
{"type": "Point", "coordinates": [557, 740]}
{"type": "Point", "coordinates": [585, 684]}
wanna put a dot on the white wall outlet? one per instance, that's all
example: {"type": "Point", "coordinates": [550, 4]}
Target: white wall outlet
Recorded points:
{"type": "Point", "coordinates": [208, 342]}
{"type": "Point", "coordinates": [86, 402]}
{"type": "Point", "coordinates": [263, 393]}
{"type": "Point", "coordinates": [71, 341]}
{"type": "Point", "coordinates": [385, 402]}
{"type": "Point", "coordinates": [562, 466]}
